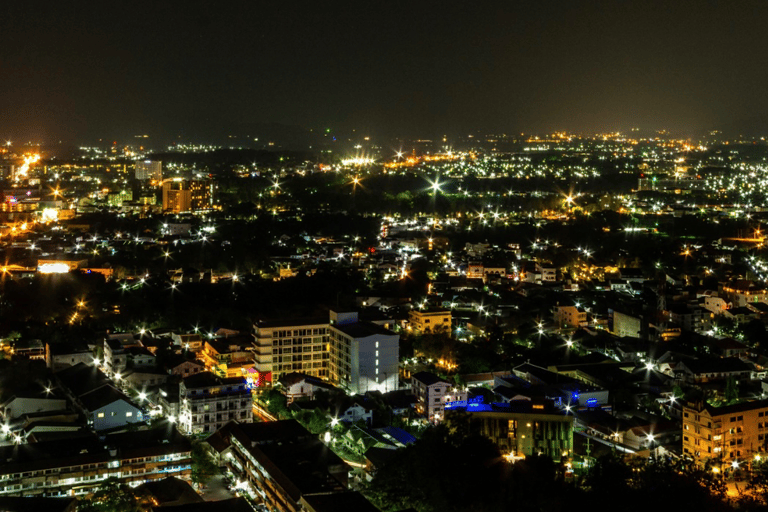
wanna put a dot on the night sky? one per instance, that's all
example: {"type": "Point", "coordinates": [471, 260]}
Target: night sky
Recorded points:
{"type": "Point", "coordinates": [80, 70]}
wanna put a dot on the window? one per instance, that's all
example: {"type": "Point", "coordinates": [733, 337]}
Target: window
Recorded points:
{"type": "Point", "coordinates": [100, 415]}
{"type": "Point", "coordinates": [128, 414]}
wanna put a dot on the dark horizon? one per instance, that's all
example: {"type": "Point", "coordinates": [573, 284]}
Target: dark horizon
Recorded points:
{"type": "Point", "coordinates": [189, 70]}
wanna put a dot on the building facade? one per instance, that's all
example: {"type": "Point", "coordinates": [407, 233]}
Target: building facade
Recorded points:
{"type": "Point", "coordinates": [207, 402]}
{"type": "Point", "coordinates": [149, 170]}
{"type": "Point", "coordinates": [432, 393]}
{"type": "Point", "coordinates": [56, 468]}
{"type": "Point", "coordinates": [363, 356]}
{"type": "Point", "coordinates": [299, 345]}
{"type": "Point", "coordinates": [522, 429]}
{"type": "Point", "coordinates": [724, 435]}
{"type": "Point", "coordinates": [429, 320]}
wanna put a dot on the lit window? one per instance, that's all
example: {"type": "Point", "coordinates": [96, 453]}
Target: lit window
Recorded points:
{"type": "Point", "coordinates": [128, 414]}
{"type": "Point", "coordinates": [100, 415]}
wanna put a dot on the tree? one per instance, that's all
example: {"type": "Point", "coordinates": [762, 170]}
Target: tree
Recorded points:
{"type": "Point", "coordinates": [114, 496]}
{"type": "Point", "coordinates": [203, 467]}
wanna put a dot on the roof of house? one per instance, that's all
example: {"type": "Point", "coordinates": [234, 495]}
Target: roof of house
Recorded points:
{"type": "Point", "coordinates": [82, 378]}
{"type": "Point", "coordinates": [290, 322]}
{"type": "Point", "coordinates": [102, 397]}
{"type": "Point", "coordinates": [206, 379]}
{"type": "Point", "coordinates": [169, 490]}
{"type": "Point", "coordinates": [363, 329]}
{"type": "Point", "coordinates": [349, 501]}
{"type": "Point", "coordinates": [427, 378]}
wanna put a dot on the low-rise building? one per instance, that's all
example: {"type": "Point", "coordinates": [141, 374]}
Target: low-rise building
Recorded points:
{"type": "Point", "coordinates": [62, 355]}
{"type": "Point", "coordinates": [282, 463]}
{"type": "Point", "coordinates": [723, 435]}
{"type": "Point", "coordinates": [521, 429]}
{"type": "Point", "coordinates": [433, 393]}
{"type": "Point", "coordinates": [207, 402]}
{"type": "Point", "coordinates": [430, 320]}
{"type": "Point", "coordinates": [570, 317]}
{"type": "Point", "coordinates": [79, 466]}
{"type": "Point", "coordinates": [92, 393]}
{"type": "Point", "coordinates": [228, 357]}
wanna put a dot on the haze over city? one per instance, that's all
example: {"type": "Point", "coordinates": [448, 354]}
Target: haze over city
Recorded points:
{"type": "Point", "coordinates": [194, 70]}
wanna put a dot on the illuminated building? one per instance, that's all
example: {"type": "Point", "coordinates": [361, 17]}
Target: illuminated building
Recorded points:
{"type": "Point", "coordinates": [187, 195]}
{"type": "Point", "coordinates": [430, 319]}
{"type": "Point", "coordinates": [149, 170]}
{"type": "Point", "coordinates": [432, 393]}
{"type": "Point", "coordinates": [61, 468]}
{"type": "Point", "coordinates": [286, 466]}
{"type": "Point", "coordinates": [227, 358]}
{"type": "Point", "coordinates": [364, 356]}
{"type": "Point", "coordinates": [176, 198]}
{"type": "Point", "coordinates": [570, 316]}
{"type": "Point", "coordinates": [521, 428]}
{"type": "Point", "coordinates": [296, 345]}
{"type": "Point", "coordinates": [626, 325]}
{"type": "Point", "coordinates": [208, 402]}
{"type": "Point", "coordinates": [724, 435]}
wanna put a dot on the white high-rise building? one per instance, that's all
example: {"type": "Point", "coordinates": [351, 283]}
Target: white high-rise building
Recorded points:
{"type": "Point", "coordinates": [364, 355]}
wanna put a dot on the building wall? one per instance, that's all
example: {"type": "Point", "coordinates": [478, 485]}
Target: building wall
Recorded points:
{"type": "Point", "coordinates": [20, 406]}
{"type": "Point", "coordinates": [626, 325]}
{"type": "Point", "coordinates": [149, 170]}
{"type": "Point", "coordinates": [210, 408]}
{"type": "Point", "coordinates": [423, 321]}
{"type": "Point", "coordinates": [293, 348]}
{"type": "Point", "coordinates": [526, 434]}
{"type": "Point", "coordinates": [570, 316]}
{"type": "Point", "coordinates": [73, 477]}
{"type": "Point", "coordinates": [364, 364]}
{"type": "Point", "coordinates": [116, 414]}
{"type": "Point", "coordinates": [734, 436]}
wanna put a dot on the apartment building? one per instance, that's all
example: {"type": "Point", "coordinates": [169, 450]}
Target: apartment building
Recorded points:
{"type": "Point", "coordinates": [228, 357]}
{"type": "Point", "coordinates": [725, 435]}
{"type": "Point", "coordinates": [570, 317]}
{"type": "Point", "coordinates": [78, 466]}
{"type": "Point", "coordinates": [295, 345]}
{"type": "Point", "coordinates": [430, 319]}
{"type": "Point", "coordinates": [432, 393]}
{"type": "Point", "coordinates": [282, 463]}
{"type": "Point", "coordinates": [363, 356]}
{"type": "Point", "coordinates": [208, 402]}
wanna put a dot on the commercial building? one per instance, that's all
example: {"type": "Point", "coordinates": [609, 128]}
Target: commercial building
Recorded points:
{"type": "Point", "coordinates": [149, 170]}
{"type": "Point", "coordinates": [521, 428]}
{"type": "Point", "coordinates": [724, 435]}
{"type": "Point", "coordinates": [79, 465]}
{"type": "Point", "coordinates": [363, 356]}
{"type": "Point", "coordinates": [208, 402]}
{"type": "Point", "coordinates": [430, 319]}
